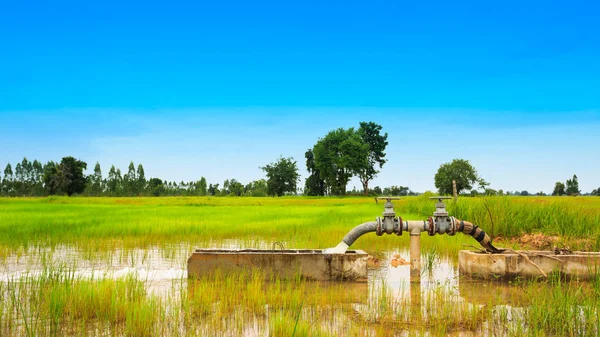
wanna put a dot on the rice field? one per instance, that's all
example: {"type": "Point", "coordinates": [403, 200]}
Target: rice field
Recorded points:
{"type": "Point", "coordinates": [117, 267]}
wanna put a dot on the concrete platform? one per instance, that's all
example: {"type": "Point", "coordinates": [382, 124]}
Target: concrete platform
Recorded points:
{"type": "Point", "coordinates": [307, 264]}
{"type": "Point", "coordinates": [577, 265]}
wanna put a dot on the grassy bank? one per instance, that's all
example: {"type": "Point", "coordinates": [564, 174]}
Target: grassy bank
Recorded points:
{"type": "Point", "coordinates": [296, 221]}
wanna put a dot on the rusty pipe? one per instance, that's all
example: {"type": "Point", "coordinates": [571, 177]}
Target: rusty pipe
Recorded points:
{"type": "Point", "coordinates": [468, 228]}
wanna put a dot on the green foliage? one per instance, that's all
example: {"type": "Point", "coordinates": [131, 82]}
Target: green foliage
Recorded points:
{"type": "Point", "coordinates": [559, 189]}
{"type": "Point", "coordinates": [459, 170]}
{"type": "Point", "coordinates": [338, 156]}
{"type": "Point", "coordinates": [202, 188]}
{"type": "Point", "coordinates": [213, 189]}
{"type": "Point", "coordinates": [140, 185]}
{"type": "Point", "coordinates": [396, 191]}
{"type": "Point", "coordinates": [342, 154]}
{"type": "Point", "coordinates": [257, 188]}
{"type": "Point", "coordinates": [314, 185]}
{"type": "Point", "coordinates": [155, 187]}
{"type": "Point", "coordinates": [71, 181]}
{"type": "Point", "coordinates": [235, 188]}
{"type": "Point", "coordinates": [282, 176]}
{"type": "Point", "coordinates": [96, 184]}
{"type": "Point", "coordinates": [7, 181]}
{"type": "Point", "coordinates": [371, 135]}
{"type": "Point", "coordinates": [596, 192]}
{"type": "Point", "coordinates": [573, 186]}
{"type": "Point", "coordinates": [114, 182]}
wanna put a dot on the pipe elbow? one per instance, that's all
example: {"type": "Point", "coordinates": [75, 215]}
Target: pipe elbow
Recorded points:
{"type": "Point", "coordinates": [468, 228]}
{"type": "Point", "coordinates": [359, 231]}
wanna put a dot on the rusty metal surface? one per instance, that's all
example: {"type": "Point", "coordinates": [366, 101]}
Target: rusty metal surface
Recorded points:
{"type": "Point", "coordinates": [306, 263]}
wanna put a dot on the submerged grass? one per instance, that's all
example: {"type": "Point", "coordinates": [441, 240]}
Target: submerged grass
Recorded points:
{"type": "Point", "coordinates": [56, 301]}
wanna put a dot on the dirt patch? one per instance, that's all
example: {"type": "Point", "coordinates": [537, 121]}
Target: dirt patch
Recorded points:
{"type": "Point", "coordinates": [541, 241]}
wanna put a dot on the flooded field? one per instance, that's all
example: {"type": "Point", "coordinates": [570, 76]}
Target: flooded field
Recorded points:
{"type": "Point", "coordinates": [104, 267]}
{"type": "Point", "coordinates": [388, 304]}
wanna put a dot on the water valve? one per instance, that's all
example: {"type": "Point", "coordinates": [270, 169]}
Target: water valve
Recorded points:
{"type": "Point", "coordinates": [441, 223]}
{"type": "Point", "coordinates": [389, 223]}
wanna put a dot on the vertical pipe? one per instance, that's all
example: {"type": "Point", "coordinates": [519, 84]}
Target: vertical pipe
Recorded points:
{"type": "Point", "coordinates": [415, 257]}
{"type": "Point", "coordinates": [415, 303]}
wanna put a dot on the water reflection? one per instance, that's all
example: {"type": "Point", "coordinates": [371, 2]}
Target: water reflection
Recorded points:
{"type": "Point", "coordinates": [163, 270]}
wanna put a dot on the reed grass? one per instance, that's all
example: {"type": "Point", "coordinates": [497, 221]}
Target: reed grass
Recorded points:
{"type": "Point", "coordinates": [57, 302]}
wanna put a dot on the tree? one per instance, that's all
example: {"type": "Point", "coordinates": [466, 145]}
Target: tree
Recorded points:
{"type": "Point", "coordinates": [130, 180]}
{"type": "Point", "coordinates": [7, 181]}
{"type": "Point", "coordinates": [596, 192]}
{"type": "Point", "coordinates": [19, 181]}
{"type": "Point", "coordinates": [52, 178]}
{"type": "Point", "coordinates": [524, 193]}
{"type": "Point", "coordinates": [559, 189]}
{"type": "Point", "coordinates": [256, 188]}
{"type": "Point", "coordinates": [459, 170]}
{"type": "Point", "coordinates": [155, 187]}
{"type": "Point", "coordinates": [338, 156]}
{"type": "Point", "coordinates": [573, 186]}
{"type": "Point", "coordinates": [235, 188]}
{"type": "Point", "coordinates": [370, 133]}
{"type": "Point", "coordinates": [225, 189]}
{"type": "Point", "coordinates": [114, 181]}
{"type": "Point", "coordinates": [140, 184]}
{"type": "Point", "coordinates": [377, 190]}
{"type": "Point", "coordinates": [213, 189]}
{"type": "Point", "coordinates": [96, 187]}
{"type": "Point", "coordinates": [396, 191]}
{"type": "Point", "coordinates": [38, 176]}
{"type": "Point", "coordinates": [314, 185]}
{"type": "Point", "coordinates": [282, 176]}
{"type": "Point", "coordinates": [201, 186]}
{"type": "Point", "coordinates": [73, 181]}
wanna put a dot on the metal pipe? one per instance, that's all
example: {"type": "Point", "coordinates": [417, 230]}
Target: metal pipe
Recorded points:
{"type": "Point", "coordinates": [358, 231]}
{"type": "Point", "coordinates": [415, 256]}
{"type": "Point", "coordinates": [468, 228]}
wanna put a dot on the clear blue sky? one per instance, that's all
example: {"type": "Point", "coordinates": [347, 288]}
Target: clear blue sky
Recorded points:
{"type": "Point", "coordinates": [217, 89]}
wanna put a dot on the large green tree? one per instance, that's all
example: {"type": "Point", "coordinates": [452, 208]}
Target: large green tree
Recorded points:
{"type": "Point", "coordinates": [314, 185]}
{"type": "Point", "coordinates": [52, 178]}
{"type": "Point", "coordinates": [155, 187]}
{"type": "Point", "coordinates": [459, 170]}
{"type": "Point", "coordinates": [573, 186]}
{"type": "Point", "coordinates": [371, 134]}
{"type": "Point", "coordinates": [338, 156]}
{"type": "Point", "coordinates": [201, 187]}
{"type": "Point", "coordinates": [559, 189]}
{"type": "Point", "coordinates": [73, 180]}
{"type": "Point", "coordinates": [282, 176]}
{"type": "Point", "coordinates": [66, 177]}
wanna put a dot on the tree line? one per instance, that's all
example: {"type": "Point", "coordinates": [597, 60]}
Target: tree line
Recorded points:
{"type": "Point", "coordinates": [67, 178]}
{"type": "Point", "coordinates": [336, 158]}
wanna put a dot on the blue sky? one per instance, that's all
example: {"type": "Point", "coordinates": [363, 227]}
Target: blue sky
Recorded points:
{"type": "Point", "coordinates": [217, 89]}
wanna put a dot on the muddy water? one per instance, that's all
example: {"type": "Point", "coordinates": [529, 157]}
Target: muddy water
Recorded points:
{"type": "Point", "coordinates": [163, 270]}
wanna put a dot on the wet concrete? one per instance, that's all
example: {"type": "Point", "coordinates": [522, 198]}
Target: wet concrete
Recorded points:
{"type": "Point", "coordinates": [307, 264]}
{"type": "Point", "coordinates": [528, 264]}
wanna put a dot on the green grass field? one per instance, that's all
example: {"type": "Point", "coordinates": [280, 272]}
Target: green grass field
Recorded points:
{"type": "Point", "coordinates": [56, 301]}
